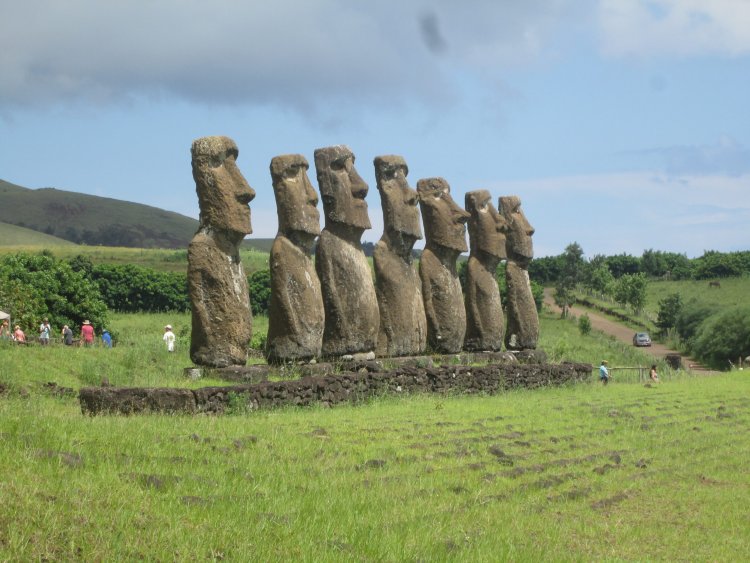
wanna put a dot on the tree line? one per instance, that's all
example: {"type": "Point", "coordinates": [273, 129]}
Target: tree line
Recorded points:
{"type": "Point", "coordinates": [713, 335]}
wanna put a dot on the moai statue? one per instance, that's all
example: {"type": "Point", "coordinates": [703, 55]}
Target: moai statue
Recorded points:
{"type": "Point", "coordinates": [522, 332]}
{"type": "Point", "coordinates": [403, 325]}
{"type": "Point", "coordinates": [485, 324]}
{"type": "Point", "coordinates": [222, 321]}
{"type": "Point", "coordinates": [295, 315]}
{"type": "Point", "coordinates": [445, 230]}
{"type": "Point", "coordinates": [352, 319]}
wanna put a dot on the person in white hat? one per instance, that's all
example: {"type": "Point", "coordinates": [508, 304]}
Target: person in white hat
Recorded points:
{"type": "Point", "coordinates": [169, 338]}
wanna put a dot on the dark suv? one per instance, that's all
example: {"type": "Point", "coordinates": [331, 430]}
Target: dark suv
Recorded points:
{"type": "Point", "coordinates": [641, 339]}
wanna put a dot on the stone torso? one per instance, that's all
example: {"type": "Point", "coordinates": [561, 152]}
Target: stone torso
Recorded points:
{"type": "Point", "coordinates": [485, 324]}
{"type": "Point", "coordinates": [443, 301]}
{"type": "Point", "coordinates": [222, 321]}
{"type": "Point", "coordinates": [352, 318]}
{"type": "Point", "coordinates": [403, 325]}
{"type": "Point", "coordinates": [523, 321]}
{"type": "Point", "coordinates": [295, 316]}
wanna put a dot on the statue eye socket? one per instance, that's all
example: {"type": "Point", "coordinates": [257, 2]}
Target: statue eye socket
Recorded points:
{"type": "Point", "coordinates": [291, 172]}
{"type": "Point", "coordinates": [338, 165]}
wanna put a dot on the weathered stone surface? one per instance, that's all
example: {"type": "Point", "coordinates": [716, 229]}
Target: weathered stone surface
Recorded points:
{"type": "Point", "coordinates": [403, 325]}
{"type": "Point", "coordinates": [222, 321]}
{"type": "Point", "coordinates": [522, 331]}
{"type": "Point", "coordinates": [445, 230]}
{"type": "Point", "coordinates": [295, 316]}
{"type": "Point", "coordinates": [352, 318]}
{"type": "Point", "coordinates": [127, 400]}
{"type": "Point", "coordinates": [485, 322]}
{"type": "Point", "coordinates": [330, 390]}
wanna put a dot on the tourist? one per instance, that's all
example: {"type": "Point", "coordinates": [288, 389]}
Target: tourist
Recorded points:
{"type": "Point", "coordinates": [67, 335]}
{"type": "Point", "coordinates": [654, 376]}
{"type": "Point", "coordinates": [169, 338]}
{"type": "Point", "coordinates": [44, 332]}
{"type": "Point", "coordinates": [604, 372]}
{"type": "Point", "coordinates": [5, 330]}
{"type": "Point", "coordinates": [18, 335]}
{"type": "Point", "coordinates": [87, 333]}
{"type": "Point", "coordinates": [106, 339]}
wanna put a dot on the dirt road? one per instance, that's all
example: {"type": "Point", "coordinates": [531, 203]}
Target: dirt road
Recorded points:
{"type": "Point", "coordinates": [621, 332]}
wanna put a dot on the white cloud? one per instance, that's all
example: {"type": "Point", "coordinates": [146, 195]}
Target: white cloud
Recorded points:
{"type": "Point", "coordinates": [290, 53]}
{"type": "Point", "coordinates": [674, 27]}
{"type": "Point", "coordinates": [632, 212]}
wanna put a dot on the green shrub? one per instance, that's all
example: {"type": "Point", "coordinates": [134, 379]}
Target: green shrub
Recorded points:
{"type": "Point", "coordinates": [584, 324]}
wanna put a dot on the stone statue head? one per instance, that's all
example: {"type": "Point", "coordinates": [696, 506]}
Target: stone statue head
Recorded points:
{"type": "Point", "coordinates": [341, 187]}
{"type": "Point", "coordinates": [487, 227]}
{"type": "Point", "coordinates": [398, 199]}
{"type": "Point", "coordinates": [444, 221]}
{"type": "Point", "coordinates": [296, 200]}
{"type": "Point", "coordinates": [223, 192]}
{"type": "Point", "coordinates": [518, 239]}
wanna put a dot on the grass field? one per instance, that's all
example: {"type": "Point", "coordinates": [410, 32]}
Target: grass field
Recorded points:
{"type": "Point", "coordinates": [11, 235]}
{"type": "Point", "coordinates": [582, 472]}
{"type": "Point", "coordinates": [155, 258]}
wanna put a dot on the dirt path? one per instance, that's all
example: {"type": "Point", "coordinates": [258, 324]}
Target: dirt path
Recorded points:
{"type": "Point", "coordinates": [621, 332]}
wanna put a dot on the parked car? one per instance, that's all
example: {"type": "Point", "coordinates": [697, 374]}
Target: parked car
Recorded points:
{"type": "Point", "coordinates": [641, 339]}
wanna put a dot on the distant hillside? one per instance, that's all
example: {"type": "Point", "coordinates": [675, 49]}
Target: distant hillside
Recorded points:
{"type": "Point", "coordinates": [11, 235]}
{"type": "Point", "coordinates": [94, 220]}
{"type": "Point", "coordinates": [262, 244]}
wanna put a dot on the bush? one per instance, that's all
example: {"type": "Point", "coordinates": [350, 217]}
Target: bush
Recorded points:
{"type": "Point", "coordinates": [259, 284]}
{"type": "Point", "coordinates": [584, 324]}
{"type": "Point", "coordinates": [724, 337]}
{"type": "Point", "coordinates": [37, 286]}
{"type": "Point", "coordinates": [132, 289]}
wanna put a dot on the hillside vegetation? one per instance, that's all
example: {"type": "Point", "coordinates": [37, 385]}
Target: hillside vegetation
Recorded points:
{"type": "Point", "coordinates": [94, 220]}
{"type": "Point", "coordinates": [12, 235]}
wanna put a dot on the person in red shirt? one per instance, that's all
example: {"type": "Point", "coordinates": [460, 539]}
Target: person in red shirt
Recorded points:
{"type": "Point", "coordinates": [87, 333]}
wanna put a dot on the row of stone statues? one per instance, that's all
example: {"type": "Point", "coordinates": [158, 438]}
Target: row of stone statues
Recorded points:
{"type": "Point", "coordinates": [330, 306]}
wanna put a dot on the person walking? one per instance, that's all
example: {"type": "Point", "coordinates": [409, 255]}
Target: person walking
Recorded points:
{"type": "Point", "coordinates": [44, 332]}
{"type": "Point", "coordinates": [106, 339]}
{"type": "Point", "coordinates": [604, 372]}
{"type": "Point", "coordinates": [87, 333]}
{"type": "Point", "coordinates": [169, 337]}
{"type": "Point", "coordinates": [67, 335]}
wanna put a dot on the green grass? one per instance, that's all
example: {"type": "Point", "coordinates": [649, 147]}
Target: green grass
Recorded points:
{"type": "Point", "coordinates": [14, 236]}
{"type": "Point", "coordinates": [583, 472]}
{"type": "Point", "coordinates": [156, 258]}
{"type": "Point", "coordinates": [733, 291]}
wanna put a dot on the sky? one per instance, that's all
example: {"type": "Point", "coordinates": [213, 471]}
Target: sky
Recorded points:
{"type": "Point", "coordinates": [622, 125]}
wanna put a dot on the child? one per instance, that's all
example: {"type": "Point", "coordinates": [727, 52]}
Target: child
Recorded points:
{"type": "Point", "coordinates": [654, 376]}
{"type": "Point", "coordinates": [604, 372]}
{"type": "Point", "coordinates": [169, 338]}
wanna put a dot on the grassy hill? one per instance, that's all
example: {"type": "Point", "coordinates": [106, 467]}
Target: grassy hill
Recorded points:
{"type": "Point", "coordinates": [94, 220]}
{"type": "Point", "coordinates": [11, 235]}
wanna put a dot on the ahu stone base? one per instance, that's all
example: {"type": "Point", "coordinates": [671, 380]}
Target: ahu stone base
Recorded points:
{"type": "Point", "coordinates": [329, 390]}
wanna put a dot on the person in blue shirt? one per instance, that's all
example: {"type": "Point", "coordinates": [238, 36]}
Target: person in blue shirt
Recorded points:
{"type": "Point", "coordinates": [604, 372]}
{"type": "Point", "coordinates": [106, 338]}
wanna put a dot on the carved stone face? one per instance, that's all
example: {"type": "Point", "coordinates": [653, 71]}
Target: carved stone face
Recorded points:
{"type": "Point", "coordinates": [444, 221]}
{"type": "Point", "coordinates": [341, 187]}
{"type": "Point", "coordinates": [296, 200]}
{"type": "Point", "coordinates": [518, 240]}
{"type": "Point", "coordinates": [487, 227]}
{"type": "Point", "coordinates": [223, 192]}
{"type": "Point", "coordinates": [398, 199]}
